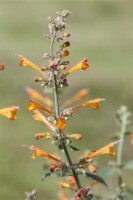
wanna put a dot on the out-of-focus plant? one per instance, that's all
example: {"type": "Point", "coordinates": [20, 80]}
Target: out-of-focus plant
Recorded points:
{"type": "Point", "coordinates": [118, 166]}
{"type": "Point", "coordinates": [54, 75]}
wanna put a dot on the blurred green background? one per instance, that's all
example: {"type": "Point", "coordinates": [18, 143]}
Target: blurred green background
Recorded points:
{"type": "Point", "coordinates": [101, 30]}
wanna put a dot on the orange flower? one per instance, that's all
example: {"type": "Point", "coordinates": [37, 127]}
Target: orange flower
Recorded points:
{"type": "Point", "coordinates": [2, 66]}
{"type": "Point", "coordinates": [33, 94]}
{"type": "Point", "coordinates": [60, 124]}
{"type": "Point", "coordinates": [83, 65]}
{"type": "Point", "coordinates": [39, 152]}
{"type": "Point", "coordinates": [76, 136]}
{"type": "Point", "coordinates": [26, 63]}
{"type": "Point", "coordinates": [81, 94]}
{"type": "Point", "coordinates": [62, 196]}
{"type": "Point", "coordinates": [9, 112]}
{"type": "Point", "coordinates": [108, 149]}
{"type": "Point", "coordinates": [38, 136]}
{"type": "Point", "coordinates": [65, 186]}
{"type": "Point", "coordinates": [34, 105]}
{"type": "Point", "coordinates": [39, 117]}
{"type": "Point", "coordinates": [71, 180]}
{"type": "Point", "coordinates": [90, 104]}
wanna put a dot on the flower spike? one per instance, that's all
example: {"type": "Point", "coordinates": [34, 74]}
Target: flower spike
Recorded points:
{"type": "Point", "coordinates": [9, 112]}
{"type": "Point", "coordinates": [83, 65]}
{"type": "Point", "coordinates": [24, 62]}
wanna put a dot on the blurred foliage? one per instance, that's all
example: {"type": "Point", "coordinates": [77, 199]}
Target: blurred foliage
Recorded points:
{"type": "Point", "coordinates": [101, 30]}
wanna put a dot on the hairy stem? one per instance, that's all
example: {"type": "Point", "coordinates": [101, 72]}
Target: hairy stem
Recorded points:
{"type": "Point", "coordinates": [120, 150]}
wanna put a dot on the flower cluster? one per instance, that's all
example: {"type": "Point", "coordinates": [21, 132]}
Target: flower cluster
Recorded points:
{"type": "Point", "coordinates": [55, 74]}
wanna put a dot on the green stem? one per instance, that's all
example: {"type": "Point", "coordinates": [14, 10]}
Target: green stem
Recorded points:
{"type": "Point", "coordinates": [120, 150]}
{"type": "Point", "coordinates": [56, 102]}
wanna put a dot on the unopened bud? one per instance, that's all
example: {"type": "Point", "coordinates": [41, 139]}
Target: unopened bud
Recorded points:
{"type": "Point", "coordinates": [66, 34]}
{"type": "Point", "coordinates": [38, 79]}
{"type": "Point", "coordinates": [61, 67]}
{"type": "Point", "coordinates": [65, 53]}
{"type": "Point", "coordinates": [65, 44]}
{"type": "Point", "coordinates": [43, 68]}
{"type": "Point", "coordinates": [68, 112]}
{"type": "Point", "coordinates": [52, 65]}
{"type": "Point", "coordinates": [65, 63]}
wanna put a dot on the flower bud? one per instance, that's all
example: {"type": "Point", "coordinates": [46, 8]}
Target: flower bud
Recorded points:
{"type": "Point", "coordinates": [38, 79]}
{"type": "Point", "coordinates": [65, 44]}
{"type": "Point", "coordinates": [65, 53]}
{"type": "Point", "coordinates": [52, 65]}
{"type": "Point", "coordinates": [66, 34]}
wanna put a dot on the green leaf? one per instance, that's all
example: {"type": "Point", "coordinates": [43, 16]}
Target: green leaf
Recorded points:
{"type": "Point", "coordinates": [127, 132]}
{"type": "Point", "coordinates": [130, 191]}
{"type": "Point", "coordinates": [96, 177]}
{"type": "Point", "coordinates": [108, 172]}
{"type": "Point", "coordinates": [73, 148]}
{"type": "Point", "coordinates": [129, 165]}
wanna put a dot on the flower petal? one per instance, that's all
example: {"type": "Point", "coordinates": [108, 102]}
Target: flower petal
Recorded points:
{"type": "Point", "coordinates": [33, 94]}
{"type": "Point", "coordinates": [83, 65]}
{"type": "Point", "coordinates": [81, 94]}
{"type": "Point", "coordinates": [27, 63]}
{"type": "Point", "coordinates": [39, 152]}
{"type": "Point", "coordinates": [34, 105]}
{"type": "Point", "coordinates": [39, 117]}
{"type": "Point", "coordinates": [71, 180]}
{"type": "Point", "coordinates": [60, 124]}
{"type": "Point", "coordinates": [90, 104]}
{"type": "Point", "coordinates": [76, 136]}
{"type": "Point", "coordinates": [38, 136]}
{"type": "Point", "coordinates": [108, 149]}
{"type": "Point", "coordinates": [9, 112]}
{"type": "Point", "coordinates": [65, 185]}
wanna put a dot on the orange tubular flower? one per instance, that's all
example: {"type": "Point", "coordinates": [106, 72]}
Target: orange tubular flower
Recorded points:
{"type": "Point", "coordinates": [38, 136]}
{"type": "Point", "coordinates": [108, 149]}
{"type": "Point", "coordinates": [65, 186]}
{"type": "Point", "coordinates": [90, 104]}
{"type": "Point", "coordinates": [76, 136]}
{"type": "Point", "coordinates": [34, 105]}
{"type": "Point", "coordinates": [39, 152]}
{"type": "Point", "coordinates": [83, 65]}
{"type": "Point", "coordinates": [39, 117]}
{"type": "Point", "coordinates": [71, 180]}
{"type": "Point", "coordinates": [62, 196]}
{"type": "Point", "coordinates": [33, 94]}
{"type": "Point", "coordinates": [60, 124]}
{"type": "Point", "coordinates": [24, 62]}
{"type": "Point", "coordinates": [78, 96]}
{"type": "Point", "coordinates": [9, 112]}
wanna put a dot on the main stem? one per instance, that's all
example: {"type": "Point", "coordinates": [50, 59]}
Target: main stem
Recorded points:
{"type": "Point", "coordinates": [56, 102]}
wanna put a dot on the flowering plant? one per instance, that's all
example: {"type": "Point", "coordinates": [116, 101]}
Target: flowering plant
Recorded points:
{"type": "Point", "coordinates": [54, 74]}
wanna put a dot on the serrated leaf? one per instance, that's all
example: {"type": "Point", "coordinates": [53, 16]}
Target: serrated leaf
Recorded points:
{"type": "Point", "coordinates": [129, 165]}
{"type": "Point", "coordinates": [72, 148]}
{"type": "Point", "coordinates": [108, 172]}
{"type": "Point", "coordinates": [96, 177]}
